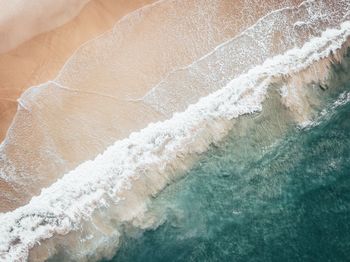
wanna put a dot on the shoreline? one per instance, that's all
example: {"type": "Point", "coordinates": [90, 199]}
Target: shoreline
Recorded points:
{"type": "Point", "coordinates": [40, 58]}
{"type": "Point", "coordinates": [114, 174]}
{"type": "Point", "coordinates": [95, 99]}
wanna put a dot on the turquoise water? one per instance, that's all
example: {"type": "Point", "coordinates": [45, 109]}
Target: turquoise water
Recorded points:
{"type": "Point", "coordinates": [269, 192]}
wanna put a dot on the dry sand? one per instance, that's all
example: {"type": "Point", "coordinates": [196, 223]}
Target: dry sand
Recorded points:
{"type": "Point", "coordinates": [91, 103]}
{"type": "Point", "coordinates": [20, 20]}
{"type": "Point", "coordinates": [39, 59]}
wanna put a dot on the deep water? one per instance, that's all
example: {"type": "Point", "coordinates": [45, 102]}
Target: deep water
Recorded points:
{"type": "Point", "coordinates": [255, 198]}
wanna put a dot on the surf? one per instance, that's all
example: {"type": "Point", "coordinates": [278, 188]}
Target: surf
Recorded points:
{"type": "Point", "coordinates": [96, 98]}
{"type": "Point", "coordinates": [116, 186]}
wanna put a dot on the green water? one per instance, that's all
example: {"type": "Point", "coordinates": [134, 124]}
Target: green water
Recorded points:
{"type": "Point", "coordinates": [281, 199]}
{"type": "Point", "coordinates": [269, 192]}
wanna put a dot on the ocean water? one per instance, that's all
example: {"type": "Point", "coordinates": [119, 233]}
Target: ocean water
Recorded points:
{"type": "Point", "coordinates": [271, 191]}
{"type": "Point", "coordinates": [240, 174]}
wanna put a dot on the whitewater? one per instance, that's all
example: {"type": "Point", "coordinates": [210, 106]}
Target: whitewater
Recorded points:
{"type": "Point", "coordinates": [96, 98]}
{"type": "Point", "coordinates": [114, 188]}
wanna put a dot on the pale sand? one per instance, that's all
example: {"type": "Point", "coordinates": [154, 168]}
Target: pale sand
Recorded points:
{"type": "Point", "coordinates": [38, 60]}
{"type": "Point", "coordinates": [61, 125]}
{"type": "Point", "coordinates": [20, 20]}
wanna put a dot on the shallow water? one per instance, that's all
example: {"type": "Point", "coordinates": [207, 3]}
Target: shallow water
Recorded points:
{"type": "Point", "coordinates": [242, 200]}
{"type": "Point", "coordinates": [272, 193]}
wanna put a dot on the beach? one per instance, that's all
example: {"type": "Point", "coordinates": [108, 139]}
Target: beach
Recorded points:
{"type": "Point", "coordinates": [117, 117]}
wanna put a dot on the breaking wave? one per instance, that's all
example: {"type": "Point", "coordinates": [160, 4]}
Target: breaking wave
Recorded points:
{"type": "Point", "coordinates": [110, 88]}
{"type": "Point", "coordinates": [81, 215]}
{"type": "Point", "coordinates": [97, 97]}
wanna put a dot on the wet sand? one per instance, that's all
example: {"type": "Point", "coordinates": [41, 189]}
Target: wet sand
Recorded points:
{"type": "Point", "coordinates": [97, 97]}
{"type": "Point", "coordinates": [39, 59]}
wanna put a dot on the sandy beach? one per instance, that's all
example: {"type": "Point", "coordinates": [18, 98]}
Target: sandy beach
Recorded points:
{"type": "Point", "coordinates": [102, 94]}
{"type": "Point", "coordinates": [113, 85]}
{"type": "Point", "coordinates": [39, 59]}
{"type": "Point", "coordinates": [174, 130]}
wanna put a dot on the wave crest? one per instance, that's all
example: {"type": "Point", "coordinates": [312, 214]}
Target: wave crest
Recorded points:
{"type": "Point", "coordinates": [87, 201]}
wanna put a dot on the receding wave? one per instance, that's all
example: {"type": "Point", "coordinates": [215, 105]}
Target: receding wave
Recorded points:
{"type": "Point", "coordinates": [181, 51]}
{"type": "Point", "coordinates": [102, 93]}
{"type": "Point", "coordinates": [113, 189]}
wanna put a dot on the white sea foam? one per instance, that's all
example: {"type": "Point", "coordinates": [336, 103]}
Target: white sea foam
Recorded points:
{"type": "Point", "coordinates": [327, 113]}
{"type": "Point", "coordinates": [292, 26]}
{"type": "Point", "coordinates": [144, 163]}
{"type": "Point", "coordinates": [58, 126]}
